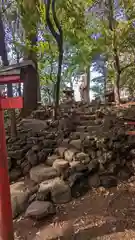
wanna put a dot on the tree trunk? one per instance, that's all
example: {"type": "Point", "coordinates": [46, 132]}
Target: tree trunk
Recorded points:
{"type": "Point", "coordinates": [88, 85]}
{"type": "Point", "coordinates": [57, 89]}
{"type": "Point", "coordinates": [117, 89]}
{"type": "Point", "coordinates": [115, 51]}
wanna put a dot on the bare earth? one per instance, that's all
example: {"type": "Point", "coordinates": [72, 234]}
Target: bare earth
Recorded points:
{"type": "Point", "coordinates": [100, 214]}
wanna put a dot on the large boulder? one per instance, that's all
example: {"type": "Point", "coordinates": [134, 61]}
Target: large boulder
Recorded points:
{"type": "Point", "coordinates": [42, 172]}
{"type": "Point", "coordinates": [40, 209]}
{"type": "Point", "coordinates": [61, 192]}
{"type": "Point", "coordinates": [69, 154]}
{"type": "Point", "coordinates": [19, 197]}
{"type": "Point", "coordinates": [61, 166]}
{"type": "Point", "coordinates": [35, 125]}
{"type": "Point", "coordinates": [56, 189]}
{"type": "Point", "coordinates": [76, 144]}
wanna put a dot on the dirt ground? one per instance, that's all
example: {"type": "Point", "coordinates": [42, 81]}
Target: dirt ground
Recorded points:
{"type": "Point", "coordinates": [100, 214]}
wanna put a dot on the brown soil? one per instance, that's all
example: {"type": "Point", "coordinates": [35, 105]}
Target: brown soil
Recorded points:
{"type": "Point", "coordinates": [100, 214]}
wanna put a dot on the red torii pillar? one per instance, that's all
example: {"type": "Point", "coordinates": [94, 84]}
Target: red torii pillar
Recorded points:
{"type": "Point", "coordinates": [6, 223]}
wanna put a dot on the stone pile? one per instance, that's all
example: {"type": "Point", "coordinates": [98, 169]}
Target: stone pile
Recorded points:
{"type": "Point", "coordinates": [96, 153]}
{"type": "Point", "coordinates": [36, 140]}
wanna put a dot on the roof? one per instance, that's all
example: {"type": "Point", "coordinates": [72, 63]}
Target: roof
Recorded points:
{"type": "Point", "coordinates": [15, 69]}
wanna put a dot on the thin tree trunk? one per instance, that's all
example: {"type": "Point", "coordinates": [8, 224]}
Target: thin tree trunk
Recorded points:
{"type": "Point", "coordinates": [58, 82]}
{"type": "Point", "coordinates": [117, 89]}
{"type": "Point", "coordinates": [88, 85]}
{"type": "Point", "coordinates": [58, 36]}
{"type": "Point", "coordinates": [115, 51]}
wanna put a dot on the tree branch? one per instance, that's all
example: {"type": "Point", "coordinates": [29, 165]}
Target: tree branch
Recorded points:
{"type": "Point", "coordinates": [49, 23]}
{"type": "Point", "coordinates": [55, 18]}
{"type": "Point", "coordinates": [127, 66]}
{"type": "Point", "coordinates": [4, 9]}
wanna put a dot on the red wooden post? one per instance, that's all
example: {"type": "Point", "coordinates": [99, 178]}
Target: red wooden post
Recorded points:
{"type": "Point", "coordinates": [6, 224]}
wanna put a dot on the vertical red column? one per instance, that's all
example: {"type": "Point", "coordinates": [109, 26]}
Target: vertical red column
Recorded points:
{"type": "Point", "coordinates": [6, 223]}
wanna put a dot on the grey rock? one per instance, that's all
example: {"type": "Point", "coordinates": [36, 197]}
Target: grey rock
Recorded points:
{"type": "Point", "coordinates": [82, 157]}
{"type": "Point", "coordinates": [50, 160]}
{"type": "Point", "coordinates": [61, 165]}
{"type": "Point", "coordinates": [93, 164]}
{"type": "Point", "coordinates": [56, 188]}
{"type": "Point", "coordinates": [76, 166]}
{"type": "Point", "coordinates": [41, 173]}
{"type": "Point", "coordinates": [14, 174]}
{"type": "Point", "coordinates": [94, 181]}
{"type": "Point", "coordinates": [19, 197]}
{"type": "Point", "coordinates": [40, 210]}
{"type": "Point", "coordinates": [61, 192]}
{"type": "Point", "coordinates": [108, 181]}
{"type": "Point", "coordinates": [32, 157]}
{"type": "Point", "coordinates": [69, 154]}
{"type": "Point", "coordinates": [76, 144]}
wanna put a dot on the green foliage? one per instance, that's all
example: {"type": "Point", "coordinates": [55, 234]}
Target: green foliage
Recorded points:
{"type": "Point", "coordinates": [79, 47]}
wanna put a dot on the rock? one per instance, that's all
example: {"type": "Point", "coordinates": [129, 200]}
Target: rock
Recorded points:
{"type": "Point", "coordinates": [17, 154]}
{"type": "Point", "coordinates": [72, 178]}
{"type": "Point", "coordinates": [25, 166]}
{"type": "Point", "coordinates": [41, 173]}
{"type": "Point", "coordinates": [80, 187]}
{"type": "Point", "coordinates": [108, 181]}
{"type": "Point", "coordinates": [93, 164]}
{"type": "Point", "coordinates": [76, 166]}
{"type": "Point", "coordinates": [61, 151]}
{"type": "Point", "coordinates": [94, 181]}
{"type": "Point", "coordinates": [56, 232]}
{"type": "Point", "coordinates": [132, 152]}
{"type": "Point", "coordinates": [50, 160]}
{"type": "Point", "coordinates": [35, 148]}
{"type": "Point", "coordinates": [65, 142]}
{"type": "Point", "coordinates": [76, 144]}
{"type": "Point", "coordinates": [60, 192]}
{"type": "Point", "coordinates": [35, 125]}
{"type": "Point", "coordinates": [32, 157]}
{"type": "Point", "coordinates": [42, 155]}
{"type": "Point", "coordinates": [56, 189]}
{"type": "Point", "coordinates": [69, 154]}
{"type": "Point", "coordinates": [19, 197]}
{"type": "Point", "coordinates": [40, 210]}
{"type": "Point", "coordinates": [124, 174]}
{"type": "Point", "coordinates": [82, 157]}
{"type": "Point", "coordinates": [14, 174]}
{"type": "Point", "coordinates": [44, 191]}
{"type": "Point", "coordinates": [61, 165]}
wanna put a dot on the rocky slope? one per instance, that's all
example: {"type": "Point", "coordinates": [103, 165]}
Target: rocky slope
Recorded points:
{"type": "Point", "coordinates": [87, 147]}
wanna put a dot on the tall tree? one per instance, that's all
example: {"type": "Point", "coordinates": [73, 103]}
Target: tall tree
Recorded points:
{"type": "Point", "coordinates": [58, 36]}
